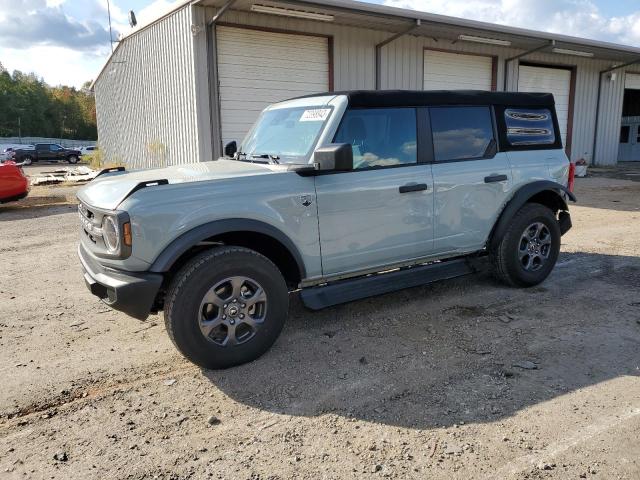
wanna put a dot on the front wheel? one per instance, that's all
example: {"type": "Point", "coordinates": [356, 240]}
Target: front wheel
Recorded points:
{"type": "Point", "coordinates": [72, 159]}
{"type": "Point", "coordinates": [529, 249]}
{"type": "Point", "coordinates": [226, 307]}
{"type": "Point", "coordinates": [27, 160]}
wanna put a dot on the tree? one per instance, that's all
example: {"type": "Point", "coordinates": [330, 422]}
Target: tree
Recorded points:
{"type": "Point", "coordinates": [31, 108]}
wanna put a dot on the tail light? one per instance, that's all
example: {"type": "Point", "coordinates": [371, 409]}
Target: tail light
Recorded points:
{"type": "Point", "coordinates": [572, 176]}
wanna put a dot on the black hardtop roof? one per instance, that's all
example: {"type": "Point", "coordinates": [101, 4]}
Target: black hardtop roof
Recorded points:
{"type": "Point", "coordinates": [417, 98]}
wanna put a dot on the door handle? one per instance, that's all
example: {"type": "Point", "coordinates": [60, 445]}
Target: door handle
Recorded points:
{"type": "Point", "coordinates": [413, 187]}
{"type": "Point", "coordinates": [495, 178]}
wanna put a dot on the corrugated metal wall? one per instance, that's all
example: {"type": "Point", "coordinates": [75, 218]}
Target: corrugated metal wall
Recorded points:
{"type": "Point", "coordinates": [402, 67]}
{"type": "Point", "coordinates": [611, 100]}
{"type": "Point", "coordinates": [153, 98]}
{"type": "Point", "coordinates": [146, 97]}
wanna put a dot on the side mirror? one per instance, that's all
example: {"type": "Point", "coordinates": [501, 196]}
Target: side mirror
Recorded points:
{"type": "Point", "coordinates": [230, 149]}
{"type": "Point", "coordinates": [337, 157]}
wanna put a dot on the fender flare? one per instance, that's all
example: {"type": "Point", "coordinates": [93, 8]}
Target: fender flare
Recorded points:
{"type": "Point", "coordinates": [184, 242]}
{"type": "Point", "coordinates": [520, 198]}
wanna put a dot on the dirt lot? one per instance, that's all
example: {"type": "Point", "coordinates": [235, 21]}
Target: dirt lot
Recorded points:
{"type": "Point", "coordinates": [433, 382]}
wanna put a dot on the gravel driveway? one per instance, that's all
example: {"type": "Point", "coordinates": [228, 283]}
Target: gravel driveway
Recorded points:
{"type": "Point", "coordinates": [462, 379]}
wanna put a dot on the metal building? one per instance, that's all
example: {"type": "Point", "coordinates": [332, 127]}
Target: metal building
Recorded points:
{"type": "Point", "coordinates": [176, 90]}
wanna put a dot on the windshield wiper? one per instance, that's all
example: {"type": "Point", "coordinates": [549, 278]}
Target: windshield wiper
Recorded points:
{"type": "Point", "coordinates": [268, 156]}
{"type": "Point", "coordinates": [248, 157]}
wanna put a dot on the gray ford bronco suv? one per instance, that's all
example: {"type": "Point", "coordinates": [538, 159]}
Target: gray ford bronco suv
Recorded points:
{"type": "Point", "coordinates": [340, 196]}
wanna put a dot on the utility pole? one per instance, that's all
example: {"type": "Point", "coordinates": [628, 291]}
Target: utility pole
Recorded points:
{"type": "Point", "coordinates": [110, 34]}
{"type": "Point", "coordinates": [19, 129]}
{"type": "Point", "coordinates": [64, 117]}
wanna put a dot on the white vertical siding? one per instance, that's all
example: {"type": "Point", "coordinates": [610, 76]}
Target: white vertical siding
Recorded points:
{"type": "Point", "coordinates": [158, 98]}
{"type": "Point", "coordinates": [146, 97]}
{"type": "Point", "coordinates": [611, 100]}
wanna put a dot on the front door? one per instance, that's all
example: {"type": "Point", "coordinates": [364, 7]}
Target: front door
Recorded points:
{"type": "Point", "coordinates": [472, 180]}
{"type": "Point", "coordinates": [380, 213]}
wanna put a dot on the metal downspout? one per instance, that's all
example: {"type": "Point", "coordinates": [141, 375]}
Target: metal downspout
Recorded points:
{"type": "Point", "coordinates": [597, 125]}
{"type": "Point", "coordinates": [214, 88]}
{"type": "Point", "coordinates": [386, 42]}
{"type": "Point", "coordinates": [550, 43]}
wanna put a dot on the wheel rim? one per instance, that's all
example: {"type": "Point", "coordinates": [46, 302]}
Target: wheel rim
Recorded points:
{"type": "Point", "coordinates": [73, 159]}
{"type": "Point", "coordinates": [27, 161]}
{"type": "Point", "coordinates": [535, 247]}
{"type": "Point", "coordinates": [232, 311]}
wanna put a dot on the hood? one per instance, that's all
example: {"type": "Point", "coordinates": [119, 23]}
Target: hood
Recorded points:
{"type": "Point", "coordinates": [108, 191]}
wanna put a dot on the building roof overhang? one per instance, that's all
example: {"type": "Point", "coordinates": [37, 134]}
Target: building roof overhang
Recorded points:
{"type": "Point", "coordinates": [439, 27]}
{"type": "Point", "coordinates": [395, 20]}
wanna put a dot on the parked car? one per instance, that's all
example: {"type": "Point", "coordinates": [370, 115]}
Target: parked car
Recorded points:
{"type": "Point", "coordinates": [7, 152]}
{"type": "Point", "coordinates": [88, 150]}
{"type": "Point", "coordinates": [46, 151]}
{"type": "Point", "coordinates": [340, 196]}
{"type": "Point", "coordinates": [14, 185]}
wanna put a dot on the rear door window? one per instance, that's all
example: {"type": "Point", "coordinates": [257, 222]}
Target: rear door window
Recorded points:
{"type": "Point", "coordinates": [380, 137]}
{"type": "Point", "coordinates": [462, 133]}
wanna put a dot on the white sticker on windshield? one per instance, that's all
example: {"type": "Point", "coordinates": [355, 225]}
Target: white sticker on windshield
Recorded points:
{"type": "Point", "coordinates": [315, 115]}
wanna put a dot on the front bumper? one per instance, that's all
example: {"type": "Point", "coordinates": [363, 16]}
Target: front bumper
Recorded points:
{"type": "Point", "coordinates": [130, 292]}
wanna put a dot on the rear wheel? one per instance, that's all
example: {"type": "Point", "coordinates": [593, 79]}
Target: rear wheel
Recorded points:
{"type": "Point", "coordinates": [529, 249]}
{"type": "Point", "coordinates": [226, 307]}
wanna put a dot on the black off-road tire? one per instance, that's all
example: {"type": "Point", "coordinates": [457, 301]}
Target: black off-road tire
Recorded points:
{"type": "Point", "coordinates": [505, 262]}
{"type": "Point", "coordinates": [196, 278]}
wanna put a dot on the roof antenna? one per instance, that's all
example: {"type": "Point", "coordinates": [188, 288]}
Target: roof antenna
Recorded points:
{"type": "Point", "coordinates": [132, 19]}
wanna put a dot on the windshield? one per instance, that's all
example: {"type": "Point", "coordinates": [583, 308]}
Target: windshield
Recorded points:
{"type": "Point", "coordinates": [286, 133]}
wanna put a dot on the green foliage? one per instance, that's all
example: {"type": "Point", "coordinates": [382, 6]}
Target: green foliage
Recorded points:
{"type": "Point", "coordinates": [31, 108]}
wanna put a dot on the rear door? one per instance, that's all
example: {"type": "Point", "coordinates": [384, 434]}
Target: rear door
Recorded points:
{"type": "Point", "coordinates": [472, 179]}
{"type": "Point", "coordinates": [381, 213]}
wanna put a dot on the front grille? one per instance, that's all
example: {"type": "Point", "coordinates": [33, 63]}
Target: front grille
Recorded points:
{"type": "Point", "coordinates": [90, 223]}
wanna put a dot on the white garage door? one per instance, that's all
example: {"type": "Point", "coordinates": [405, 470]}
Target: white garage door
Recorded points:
{"type": "Point", "coordinates": [632, 80]}
{"type": "Point", "coordinates": [256, 68]}
{"type": "Point", "coordinates": [455, 71]}
{"type": "Point", "coordinates": [549, 80]}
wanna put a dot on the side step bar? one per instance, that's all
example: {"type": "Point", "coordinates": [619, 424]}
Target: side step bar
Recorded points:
{"type": "Point", "coordinates": [344, 291]}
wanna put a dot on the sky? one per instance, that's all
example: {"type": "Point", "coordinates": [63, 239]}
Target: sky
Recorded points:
{"type": "Point", "coordinates": [66, 42]}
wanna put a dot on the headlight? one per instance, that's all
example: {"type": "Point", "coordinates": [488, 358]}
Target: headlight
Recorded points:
{"type": "Point", "coordinates": [111, 234]}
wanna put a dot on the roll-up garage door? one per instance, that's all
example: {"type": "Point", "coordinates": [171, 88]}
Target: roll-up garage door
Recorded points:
{"type": "Point", "coordinates": [256, 68]}
{"type": "Point", "coordinates": [632, 80]}
{"type": "Point", "coordinates": [456, 71]}
{"type": "Point", "coordinates": [549, 80]}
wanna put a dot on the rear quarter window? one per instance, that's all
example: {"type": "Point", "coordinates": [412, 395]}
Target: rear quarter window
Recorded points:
{"type": "Point", "coordinates": [529, 126]}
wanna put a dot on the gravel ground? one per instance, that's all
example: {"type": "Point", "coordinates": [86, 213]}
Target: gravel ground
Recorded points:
{"type": "Point", "coordinates": [461, 379]}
